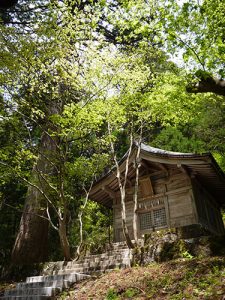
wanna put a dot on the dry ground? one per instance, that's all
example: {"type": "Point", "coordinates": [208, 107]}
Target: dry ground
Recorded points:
{"type": "Point", "coordinates": [177, 280]}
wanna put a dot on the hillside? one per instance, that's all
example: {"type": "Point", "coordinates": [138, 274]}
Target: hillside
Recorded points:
{"type": "Point", "coordinates": [181, 279]}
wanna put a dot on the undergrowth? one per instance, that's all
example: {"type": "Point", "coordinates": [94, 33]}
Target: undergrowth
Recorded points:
{"type": "Point", "coordinates": [187, 278]}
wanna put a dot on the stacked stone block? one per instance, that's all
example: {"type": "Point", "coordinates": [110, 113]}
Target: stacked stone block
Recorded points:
{"type": "Point", "coordinates": [58, 276]}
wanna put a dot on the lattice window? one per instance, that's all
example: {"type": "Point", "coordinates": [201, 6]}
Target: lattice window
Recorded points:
{"type": "Point", "coordinates": [145, 221]}
{"type": "Point", "coordinates": [159, 217]}
{"type": "Point", "coordinates": [155, 218]}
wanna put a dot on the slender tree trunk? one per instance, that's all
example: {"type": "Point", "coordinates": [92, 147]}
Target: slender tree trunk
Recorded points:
{"type": "Point", "coordinates": [123, 197]}
{"type": "Point", "coordinates": [64, 241]}
{"type": "Point", "coordinates": [80, 215]}
{"type": "Point", "coordinates": [137, 167]}
{"type": "Point", "coordinates": [122, 187]}
{"type": "Point", "coordinates": [135, 215]}
{"type": "Point", "coordinates": [124, 222]}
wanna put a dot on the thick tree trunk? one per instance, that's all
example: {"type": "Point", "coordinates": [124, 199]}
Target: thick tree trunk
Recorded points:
{"type": "Point", "coordinates": [31, 244]}
{"type": "Point", "coordinates": [32, 240]}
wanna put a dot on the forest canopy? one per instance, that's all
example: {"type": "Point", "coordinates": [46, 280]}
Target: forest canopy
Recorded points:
{"type": "Point", "coordinates": [80, 76]}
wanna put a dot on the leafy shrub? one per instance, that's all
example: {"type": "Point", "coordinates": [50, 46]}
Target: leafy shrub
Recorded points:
{"type": "Point", "coordinates": [112, 295]}
{"type": "Point", "coordinates": [130, 293]}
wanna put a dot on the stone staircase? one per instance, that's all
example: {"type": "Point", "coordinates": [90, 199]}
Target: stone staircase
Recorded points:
{"type": "Point", "coordinates": [57, 276]}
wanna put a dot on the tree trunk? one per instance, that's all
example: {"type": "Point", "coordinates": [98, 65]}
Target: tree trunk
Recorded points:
{"type": "Point", "coordinates": [135, 217]}
{"type": "Point", "coordinates": [122, 187]}
{"type": "Point", "coordinates": [32, 240]}
{"type": "Point", "coordinates": [137, 167]}
{"type": "Point", "coordinates": [64, 241]}
{"type": "Point", "coordinates": [31, 245]}
{"type": "Point", "coordinates": [124, 222]}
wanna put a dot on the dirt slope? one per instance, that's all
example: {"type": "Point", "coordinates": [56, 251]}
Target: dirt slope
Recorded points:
{"type": "Point", "coordinates": [177, 280]}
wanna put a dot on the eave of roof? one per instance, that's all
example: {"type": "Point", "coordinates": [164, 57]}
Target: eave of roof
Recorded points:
{"type": "Point", "coordinates": [204, 164]}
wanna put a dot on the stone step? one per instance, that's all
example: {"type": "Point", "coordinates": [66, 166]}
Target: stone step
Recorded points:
{"type": "Point", "coordinates": [93, 267]}
{"type": "Point", "coordinates": [95, 262]}
{"type": "Point", "coordinates": [102, 258]}
{"type": "Point", "coordinates": [37, 287]}
{"type": "Point", "coordinates": [123, 245]}
{"type": "Point", "coordinates": [44, 291]}
{"type": "Point", "coordinates": [91, 263]}
{"type": "Point", "coordinates": [108, 253]}
{"type": "Point", "coordinates": [53, 268]}
{"type": "Point", "coordinates": [111, 252]}
{"type": "Point", "coordinates": [54, 283]}
{"type": "Point", "coordinates": [117, 254]}
{"type": "Point", "coordinates": [73, 270]}
{"type": "Point", "coordinates": [59, 275]}
{"type": "Point", "coordinates": [73, 277]}
{"type": "Point", "coordinates": [105, 256]}
{"type": "Point", "coordinates": [97, 268]}
{"type": "Point", "coordinates": [25, 297]}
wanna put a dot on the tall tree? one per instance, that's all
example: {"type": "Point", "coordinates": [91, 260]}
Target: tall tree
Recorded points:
{"type": "Point", "coordinates": [46, 47]}
{"type": "Point", "coordinates": [43, 79]}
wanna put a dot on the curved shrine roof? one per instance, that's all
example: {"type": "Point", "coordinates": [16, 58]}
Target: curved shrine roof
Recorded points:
{"type": "Point", "coordinates": [202, 166]}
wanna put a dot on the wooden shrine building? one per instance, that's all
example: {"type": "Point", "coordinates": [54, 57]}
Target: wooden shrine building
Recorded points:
{"type": "Point", "coordinates": [175, 190]}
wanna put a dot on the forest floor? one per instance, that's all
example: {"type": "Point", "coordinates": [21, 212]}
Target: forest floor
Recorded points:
{"type": "Point", "coordinates": [176, 280]}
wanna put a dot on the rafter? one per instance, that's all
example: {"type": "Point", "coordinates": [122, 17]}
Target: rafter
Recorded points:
{"type": "Point", "coordinates": [145, 165]}
{"type": "Point", "coordinates": [110, 192]}
{"type": "Point", "coordinates": [162, 167]}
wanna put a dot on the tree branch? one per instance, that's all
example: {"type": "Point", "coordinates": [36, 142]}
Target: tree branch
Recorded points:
{"type": "Point", "coordinates": [33, 185]}
{"type": "Point", "coordinates": [208, 85]}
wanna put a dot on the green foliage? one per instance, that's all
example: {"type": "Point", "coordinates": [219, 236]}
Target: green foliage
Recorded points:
{"type": "Point", "coordinates": [173, 139]}
{"type": "Point", "coordinates": [12, 194]}
{"type": "Point", "coordinates": [186, 254]}
{"type": "Point", "coordinates": [75, 69]}
{"type": "Point", "coordinates": [210, 126]}
{"type": "Point", "coordinates": [112, 294]}
{"type": "Point", "coordinates": [97, 228]}
{"type": "Point", "coordinates": [196, 281]}
{"type": "Point", "coordinates": [197, 29]}
{"type": "Point", "coordinates": [130, 293]}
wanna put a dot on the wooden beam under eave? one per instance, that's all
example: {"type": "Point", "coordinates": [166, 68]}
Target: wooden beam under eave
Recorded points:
{"type": "Point", "coordinates": [158, 173]}
{"type": "Point", "coordinates": [183, 169]}
{"type": "Point", "coordinates": [128, 180]}
{"type": "Point", "coordinates": [110, 192]}
{"type": "Point", "coordinates": [174, 160]}
{"type": "Point", "coordinates": [123, 177]}
{"type": "Point", "coordinates": [162, 167]}
{"type": "Point", "coordinates": [145, 165]}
